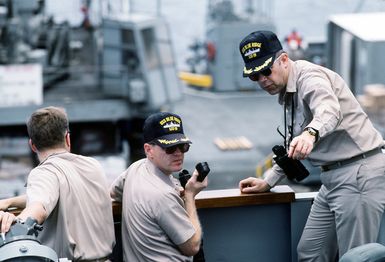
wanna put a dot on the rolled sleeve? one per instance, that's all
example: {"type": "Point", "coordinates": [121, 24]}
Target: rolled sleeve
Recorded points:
{"type": "Point", "coordinates": [323, 103]}
{"type": "Point", "coordinates": [116, 188]}
{"type": "Point", "coordinates": [174, 221]}
{"type": "Point", "coordinates": [274, 175]}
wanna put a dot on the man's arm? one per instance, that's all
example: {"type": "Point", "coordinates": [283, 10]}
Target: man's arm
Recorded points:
{"type": "Point", "coordinates": [191, 246]}
{"type": "Point", "coordinates": [253, 185]}
{"type": "Point", "coordinates": [116, 188]}
{"type": "Point", "coordinates": [18, 202]}
{"type": "Point", "coordinates": [42, 195]}
{"type": "Point", "coordinates": [324, 105]}
{"type": "Point", "coordinates": [34, 210]}
{"type": "Point", "coordinates": [318, 94]}
{"type": "Point", "coordinates": [257, 185]}
{"type": "Point", "coordinates": [193, 187]}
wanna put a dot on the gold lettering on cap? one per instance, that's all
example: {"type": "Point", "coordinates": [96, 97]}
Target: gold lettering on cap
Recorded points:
{"type": "Point", "coordinates": [169, 119]}
{"type": "Point", "coordinates": [171, 122]}
{"type": "Point", "coordinates": [251, 45]}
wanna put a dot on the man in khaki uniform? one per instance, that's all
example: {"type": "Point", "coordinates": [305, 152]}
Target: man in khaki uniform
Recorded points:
{"type": "Point", "coordinates": [157, 223]}
{"type": "Point", "coordinates": [324, 123]}
{"type": "Point", "coordinates": [68, 192]}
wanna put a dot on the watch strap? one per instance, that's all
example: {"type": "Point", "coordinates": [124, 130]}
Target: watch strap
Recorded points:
{"type": "Point", "coordinates": [313, 132]}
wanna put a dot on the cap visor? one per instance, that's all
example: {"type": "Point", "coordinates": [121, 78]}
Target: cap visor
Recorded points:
{"type": "Point", "coordinates": [258, 65]}
{"type": "Point", "coordinates": [172, 140]}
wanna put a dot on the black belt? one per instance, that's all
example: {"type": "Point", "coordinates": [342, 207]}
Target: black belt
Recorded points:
{"type": "Point", "coordinates": [341, 163]}
{"type": "Point", "coordinates": [104, 259]}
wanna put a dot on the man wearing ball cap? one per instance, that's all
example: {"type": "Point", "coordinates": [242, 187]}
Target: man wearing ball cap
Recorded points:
{"type": "Point", "coordinates": [325, 124]}
{"type": "Point", "coordinates": [158, 224]}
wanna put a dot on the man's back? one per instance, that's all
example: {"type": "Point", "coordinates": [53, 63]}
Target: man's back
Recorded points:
{"type": "Point", "coordinates": [74, 192]}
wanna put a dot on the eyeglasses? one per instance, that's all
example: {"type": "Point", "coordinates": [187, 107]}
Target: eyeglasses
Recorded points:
{"type": "Point", "coordinates": [266, 72]}
{"type": "Point", "coordinates": [183, 148]}
{"type": "Point", "coordinates": [255, 77]}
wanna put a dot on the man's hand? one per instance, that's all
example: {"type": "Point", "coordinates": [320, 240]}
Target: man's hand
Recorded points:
{"type": "Point", "coordinates": [253, 185]}
{"type": "Point", "coordinates": [6, 220]}
{"type": "Point", "coordinates": [4, 204]}
{"type": "Point", "coordinates": [301, 146]}
{"type": "Point", "coordinates": [193, 186]}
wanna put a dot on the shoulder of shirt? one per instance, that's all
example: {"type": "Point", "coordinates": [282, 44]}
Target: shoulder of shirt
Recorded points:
{"type": "Point", "coordinates": [303, 67]}
{"type": "Point", "coordinates": [68, 157]}
{"type": "Point", "coordinates": [56, 161]}
{"type": "Point", "coordinates": [46, 169]}
{"type": "Point", "coordinates": [304, 71]}
{"type": "Point", "coordinates": [137, 164]}
{"type": "Point", "coordinates": [133, 167]}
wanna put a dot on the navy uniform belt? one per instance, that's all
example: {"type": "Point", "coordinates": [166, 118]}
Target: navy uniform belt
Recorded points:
{"type": "Point", "coordinates": [345, 162]}
{"type": "Point", "coordinates": [104, 259]}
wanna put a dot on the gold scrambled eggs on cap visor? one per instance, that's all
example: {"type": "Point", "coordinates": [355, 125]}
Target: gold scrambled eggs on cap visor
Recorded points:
{"type": "Point", "coordinates": [172, 139]}
{"type": "Point", "coordinates": [255, 66]}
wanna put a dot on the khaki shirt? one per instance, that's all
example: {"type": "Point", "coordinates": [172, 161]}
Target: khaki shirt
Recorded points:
{"type": "Point", "coordinates": [74, 192]}
{"type": "Point", "coordinates": [323, 101]}
{"type": "Point", "coordinates": [154, 220]}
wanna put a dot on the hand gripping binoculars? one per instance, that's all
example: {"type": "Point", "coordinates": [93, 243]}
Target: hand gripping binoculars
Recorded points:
{"type": "Point", "coordinates": [293, 169]}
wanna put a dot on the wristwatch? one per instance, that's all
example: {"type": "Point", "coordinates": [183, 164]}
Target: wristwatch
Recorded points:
{"type": "Point", "coordinates": [313, 132]}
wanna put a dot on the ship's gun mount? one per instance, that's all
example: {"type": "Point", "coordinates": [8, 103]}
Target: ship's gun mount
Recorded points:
{"type": "Point", "coordinates": [21, 244]}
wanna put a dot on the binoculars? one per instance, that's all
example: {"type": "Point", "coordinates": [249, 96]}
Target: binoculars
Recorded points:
{"type": "Point", "coordinates": [293, 169]}
{"type": "Point", "coordinates": [203, 170]}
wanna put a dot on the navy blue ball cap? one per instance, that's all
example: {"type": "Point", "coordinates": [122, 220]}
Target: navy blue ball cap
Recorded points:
{"type": "Point", "coordinates": [258, 51]}
{"type": "Point", "coordinates": [165, 129]}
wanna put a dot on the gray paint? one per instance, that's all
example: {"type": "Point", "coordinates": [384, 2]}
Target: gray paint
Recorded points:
{"type": "Point", "coordinates": [364, 61]}
{"type": "Point", "coordinates": [227, 68]}
{"type": "Point", "coordinates": [257, 233]}
{"type": "Point", "coordinates": [249, 233]}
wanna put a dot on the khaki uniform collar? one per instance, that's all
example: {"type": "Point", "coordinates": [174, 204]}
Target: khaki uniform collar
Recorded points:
{"type": "Point", "coordinates": [158, 173]}
{"type": "Point", "coordinates": [291, 86]}
{"type": "Point", "coordinates": [293, 76]}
